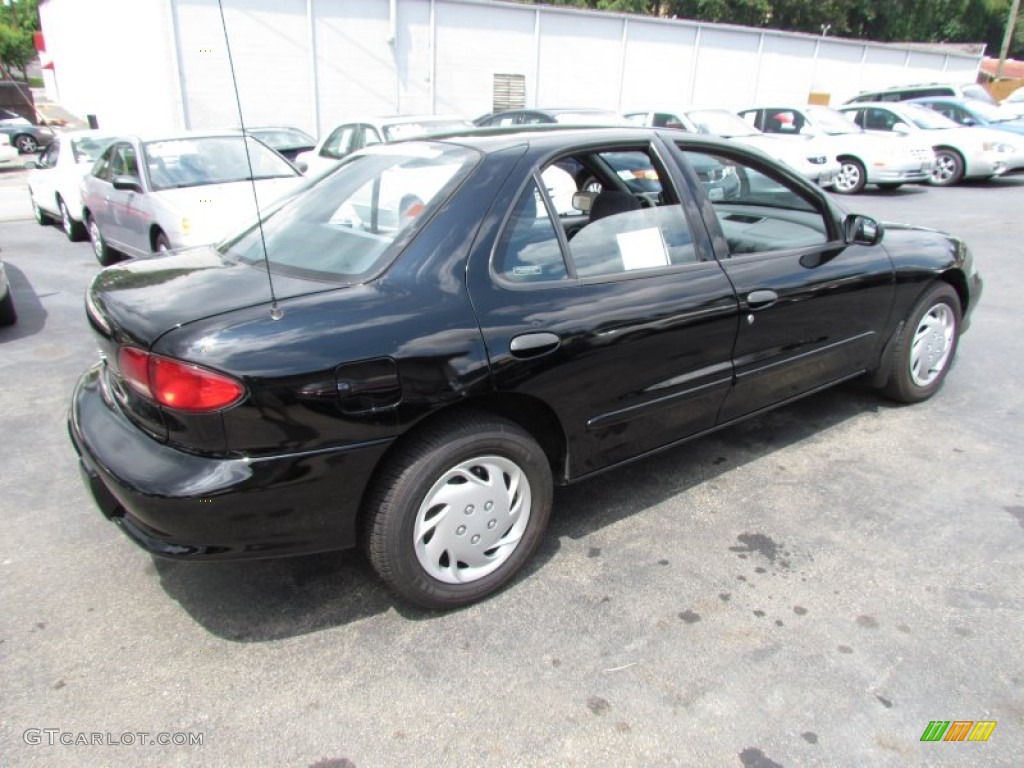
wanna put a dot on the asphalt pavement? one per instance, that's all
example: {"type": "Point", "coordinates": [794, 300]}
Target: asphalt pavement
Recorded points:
{"type": "Point", "coordinates": [810, 588]}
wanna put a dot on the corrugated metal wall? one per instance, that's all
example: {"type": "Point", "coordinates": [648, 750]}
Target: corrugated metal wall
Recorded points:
{"type": "Point", "coordinates": [313, 63]}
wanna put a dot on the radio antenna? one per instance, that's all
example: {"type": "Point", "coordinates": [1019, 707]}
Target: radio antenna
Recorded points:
{"type": "Point", "coordinates": [276, 312]}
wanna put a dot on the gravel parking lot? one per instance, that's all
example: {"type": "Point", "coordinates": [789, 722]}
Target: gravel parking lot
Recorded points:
{"type": "Point", "coordinates": [809, 588]}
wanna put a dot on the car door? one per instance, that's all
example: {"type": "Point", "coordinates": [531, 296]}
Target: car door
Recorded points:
{"type": "Point", "coordinates": [812, 308]}
{"type": "Point", "coordinates": [625, 330]}
{"type": "Point", "coordinates": [128, 211]}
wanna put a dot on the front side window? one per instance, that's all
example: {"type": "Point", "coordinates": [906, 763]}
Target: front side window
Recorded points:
{"type": "Point", "coordinates": [339, 143]}
{"type": "Point", "coordinates": [124, 161]}
{"type": "Point", "coordinates": [618, 216]}
{"type": "Point", "coordinates": [758, 211]}
{"type": "Point", "coordinates": [101, 170]}
{"type": "Point", "coordinates": [354, 221]}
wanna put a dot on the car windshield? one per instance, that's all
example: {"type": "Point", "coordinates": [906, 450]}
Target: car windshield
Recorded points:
{"type": "Point", "coordinates": [283, 138]}
{"type": "Point", "coordinates": [342, 228]}
{"type": "Point", "coordinates": [991, 112]}
{"type": "Point", "coordinates": [192, 162]}
{"type": "Point", "coordinates": [399, 131]}
{"type": "Point", "coordinates": [832, 122]}
{"type": "Point", "coordinates": [718, 122]}
{"type": "Point", "coordinates": [926, 118]}
{"type": "Point", "coordinates": [88, 148]}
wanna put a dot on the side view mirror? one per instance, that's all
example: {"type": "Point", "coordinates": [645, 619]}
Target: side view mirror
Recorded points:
{"type": "Point", "coordinates": [302, 165]}
{"type": "Point", "coordinates": [901, 128]}
{"type": "Point", "coordinates": [862, 230]}
{"type": "Point", "coordinates": [126, 183]}
{"type": "Point", "coordinates": [968, 121]}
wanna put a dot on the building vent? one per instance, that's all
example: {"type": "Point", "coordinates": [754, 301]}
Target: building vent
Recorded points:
{"type": "Point", "coordinates": [509, 92]}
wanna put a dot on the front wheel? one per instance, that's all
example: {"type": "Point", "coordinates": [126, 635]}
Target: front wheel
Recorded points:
{"type": "Point", "coordinates": [42, 218]}
{"type": "Point", "coordinates": [160, 243]}
{"type": "Point", "coordinates": [949, 167]}
{"type": "Point", "coordinates": [852, 176]}
{"type": "Point", "coordinates": [458, 511]}
{"type": "Point", "coordinates": [927, 344]}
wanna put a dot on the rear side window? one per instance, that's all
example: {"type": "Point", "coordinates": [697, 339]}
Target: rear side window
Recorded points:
{"type": "Point", "coordinates": [528, 250]}
{"type": "Point", "coordinates": [352, 222]}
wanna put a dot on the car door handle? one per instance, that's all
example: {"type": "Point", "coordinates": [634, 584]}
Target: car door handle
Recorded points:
{"type": "Point", "coordinates": [761, 299]}
{"type": "Point", "coordinates": [533, 344]}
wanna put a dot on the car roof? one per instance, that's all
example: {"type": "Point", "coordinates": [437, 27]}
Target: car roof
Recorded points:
{"type": "Point", "coordinates": [553, 137]}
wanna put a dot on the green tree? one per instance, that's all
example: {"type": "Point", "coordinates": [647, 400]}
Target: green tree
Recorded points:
{"type": "Point", "coordinates": [16, 48]}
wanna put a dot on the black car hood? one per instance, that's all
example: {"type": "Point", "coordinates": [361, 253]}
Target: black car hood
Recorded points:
{"type": "Point", "coordinates": [144, 299]}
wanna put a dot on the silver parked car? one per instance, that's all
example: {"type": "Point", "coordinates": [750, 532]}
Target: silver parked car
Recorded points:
{"type": "Point", "coordinates": [154, 194]}
{"type": "Point", "coordinates": [864, 158]}
{"type": "Point", "coordinates": [803, 154]}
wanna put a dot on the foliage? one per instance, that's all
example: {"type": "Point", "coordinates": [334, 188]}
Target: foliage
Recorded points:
{"type": "Point", "coordinates": [18, 20]}
{"type": "Point", "coordinates": [964, 21]}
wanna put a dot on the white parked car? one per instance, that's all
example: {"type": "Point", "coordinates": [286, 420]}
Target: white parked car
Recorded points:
{"type": "Point", "coordinates": [960, 153]}
{"type": "Point", "coordinates": [153, 194]}
{"type": "Point", "coordinates": [864, 158]}
{"type": "Point", "coordinates": [54, 185]}
{"type": "Point", "coordinates": [346, 138]}
{"type": "Point", "coordinates": [804, 154]}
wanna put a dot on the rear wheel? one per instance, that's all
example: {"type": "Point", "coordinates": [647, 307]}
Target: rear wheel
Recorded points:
{"type": "Point", "coordinates": [42, 218]}
{"type": "Point", "coordinates": [104, 255]}
{"type": "Point", "coordinates": [949, 167]}
{"type": "Point", "coordinates": [26, 144]}
{"type": "Point", "coordinates": [457, 512]}
{"type": "Point", "coordinates": [852, 176]}
{"type": "Point", "coordinates": [73, 230]}
{"type": "Point", "coordinates": [927, 344]}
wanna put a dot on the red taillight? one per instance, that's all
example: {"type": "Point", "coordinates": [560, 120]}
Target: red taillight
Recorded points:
{"type": "Point", "coordinates": [177, 385]}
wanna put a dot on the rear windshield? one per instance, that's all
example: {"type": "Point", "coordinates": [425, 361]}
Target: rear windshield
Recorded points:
{"type": "Point", "coordinates": [350, 223]}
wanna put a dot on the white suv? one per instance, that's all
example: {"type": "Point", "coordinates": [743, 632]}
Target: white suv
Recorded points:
{"type": "Point", "coordinates": [906, 92]}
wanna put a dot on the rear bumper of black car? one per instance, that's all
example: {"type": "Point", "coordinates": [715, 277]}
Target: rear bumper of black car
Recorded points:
{"type": "Point", "coordinates": [181, 505]}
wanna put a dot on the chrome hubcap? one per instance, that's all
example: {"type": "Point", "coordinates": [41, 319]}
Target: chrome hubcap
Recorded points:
{"type": "Point", "coordinates": [933, 341]}
{"type": "Point", "coordinates": [944, 168]}
{"type": "Point", "coordinates": [848, 178]}
{"type": "Point", "coordinates": [97, 239]}
{"type": "Point", "coordinates": [472, 519]}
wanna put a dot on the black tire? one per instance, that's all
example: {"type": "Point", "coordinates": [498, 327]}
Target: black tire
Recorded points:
{"type": "Point", "coordinates": [852, 176]}
{"type": "Point", "coordinates": [397, 520]}
{"type": "Point", "coordinates": [890, 187]}
{"type": "Point", "coordinates": [949, 167]}
{"type": "Point", "coordinates": [73, 230]}
{"type": "Point", "coordinates": [7, 314]}
{"type": "Point", "coordinates": [161, 243]}
{"type": "Point", "coordinates": [924, 351]}
{"type": "Point", "coordinates": [42, 217]}
{"type": "Point", "coordinates": [104, 254]}
{"type": "Point", "coordinates": [26, 144]}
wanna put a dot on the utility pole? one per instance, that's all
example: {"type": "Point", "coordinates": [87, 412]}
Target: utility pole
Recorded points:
{"type": "Point", "coordinates": [1010, 21]}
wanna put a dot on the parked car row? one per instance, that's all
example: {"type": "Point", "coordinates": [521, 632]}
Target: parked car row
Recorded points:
{"type": "Point", "coordinates": [156, 193]}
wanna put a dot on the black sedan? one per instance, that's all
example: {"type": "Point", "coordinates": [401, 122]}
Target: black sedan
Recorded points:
{"type": "Point", "coordinates": [410, 353]}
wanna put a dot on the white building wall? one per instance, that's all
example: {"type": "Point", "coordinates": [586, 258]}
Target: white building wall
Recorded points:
{"type": "Point", "coordinates": [475, 42]}
{"type": "Point", "coordinates": [314, 63]}
{"type": "Point", "coordinates": [105, 66]}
